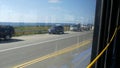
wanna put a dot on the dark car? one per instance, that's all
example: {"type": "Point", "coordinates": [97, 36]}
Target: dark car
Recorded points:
{"type": "Point", "coordinates": [6, 32]}
{"type": "Point", "coordinates": [56, 30]}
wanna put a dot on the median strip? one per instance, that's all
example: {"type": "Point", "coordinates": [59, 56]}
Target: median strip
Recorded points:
{"type": "Point", "coordinates": [54, 54]}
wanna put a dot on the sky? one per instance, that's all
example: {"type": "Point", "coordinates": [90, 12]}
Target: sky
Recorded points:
{"type": "Point", "coordinates": [47, 11]}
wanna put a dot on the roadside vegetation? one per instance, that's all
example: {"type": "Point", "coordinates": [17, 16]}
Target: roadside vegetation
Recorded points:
{"type": "Point", "coordinates": [29, 30]}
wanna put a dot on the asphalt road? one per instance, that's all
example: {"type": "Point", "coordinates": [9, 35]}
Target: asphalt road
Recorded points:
{"type": "Point", "coordinates": [22, 49]}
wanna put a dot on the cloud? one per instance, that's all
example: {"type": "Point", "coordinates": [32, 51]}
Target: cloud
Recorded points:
{"type": "Point", "coordinates": [56, 8]}
{"type": "Point", "coordinates": [54, 1]}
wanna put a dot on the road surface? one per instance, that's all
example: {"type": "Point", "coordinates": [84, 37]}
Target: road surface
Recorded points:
{"type": "Point", "coordinates": [23, 49]}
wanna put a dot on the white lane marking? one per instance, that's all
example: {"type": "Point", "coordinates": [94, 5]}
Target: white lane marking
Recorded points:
{"type": "Point", "coordinates": [37, 43]}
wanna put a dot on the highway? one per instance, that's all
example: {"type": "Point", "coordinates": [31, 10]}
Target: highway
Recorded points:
{"type": "Point", "coordinates": [67, 50]}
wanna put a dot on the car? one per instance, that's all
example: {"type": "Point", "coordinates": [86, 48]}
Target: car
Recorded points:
{"type": "Point", "coordinates": [56, 30]}
{"type": "Point", "coordinates": [6, 32]}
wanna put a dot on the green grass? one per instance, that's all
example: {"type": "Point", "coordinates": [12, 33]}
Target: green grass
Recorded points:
{"type": "Point", "coordinates": [30, 30]}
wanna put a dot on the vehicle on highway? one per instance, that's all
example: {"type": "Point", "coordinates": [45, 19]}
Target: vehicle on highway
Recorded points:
{"type": "Point", "coordinates": [75, 27]}
{"type": "Point", "coordinates": [56, 30]}
{"type": "Point", "coordinates": [81, 27]}
{"type": "Point", "coordinates": [6, 32]}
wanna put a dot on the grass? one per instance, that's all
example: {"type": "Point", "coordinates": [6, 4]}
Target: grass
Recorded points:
{"type": "Point", "coordinates": [30, 30]}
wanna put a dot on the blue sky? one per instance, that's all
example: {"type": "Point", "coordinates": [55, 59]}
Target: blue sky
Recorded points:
{"type": "Point", "coordinates": [54, 11]}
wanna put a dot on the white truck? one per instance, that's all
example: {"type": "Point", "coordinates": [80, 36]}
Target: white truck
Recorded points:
{"type": "Point", "coordinates": [80, 27]}
{"type": "Point", "coordinates": [75, 27]}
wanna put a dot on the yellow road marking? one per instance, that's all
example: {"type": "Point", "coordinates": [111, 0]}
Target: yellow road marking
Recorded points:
{"type": "Point", "coordinates": [59, 52]}
{"type": "Point", "coordinates": [106, 47]}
